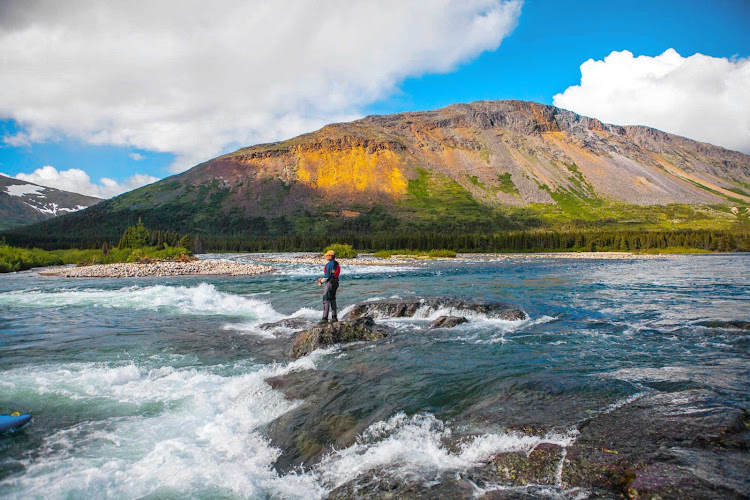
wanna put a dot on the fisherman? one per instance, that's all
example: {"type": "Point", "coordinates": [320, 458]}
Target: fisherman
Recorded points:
{"type": "Point", "coordinates": [331, 280]}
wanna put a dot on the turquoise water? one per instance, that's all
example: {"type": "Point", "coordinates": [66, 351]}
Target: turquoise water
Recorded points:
{"type": "Point", "coordinates": [156, 387]}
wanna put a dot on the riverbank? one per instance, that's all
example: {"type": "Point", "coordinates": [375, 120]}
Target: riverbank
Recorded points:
{"type": "Point", "coordinates": [13, 259]}
{"type": "Point", "coordinates": [161, 268]}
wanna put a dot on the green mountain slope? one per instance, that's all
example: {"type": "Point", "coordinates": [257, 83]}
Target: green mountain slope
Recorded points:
{"type": "Point", "coordinates": [469, 168]}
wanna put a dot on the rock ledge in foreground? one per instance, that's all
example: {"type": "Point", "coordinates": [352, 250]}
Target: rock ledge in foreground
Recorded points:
{"type": "Point", "coordinates": [334, 333]}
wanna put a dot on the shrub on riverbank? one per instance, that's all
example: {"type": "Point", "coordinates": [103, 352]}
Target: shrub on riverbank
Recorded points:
{"type": "Point", "coordinates": [20, 259]}
{"type": "Point", "coordinates": [342, 251]}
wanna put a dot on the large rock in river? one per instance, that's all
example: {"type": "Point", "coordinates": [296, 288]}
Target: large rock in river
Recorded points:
{"type": "Point", "coordinates": [351, 330]}
{"type": "Point", "coordinates": [415, 306]}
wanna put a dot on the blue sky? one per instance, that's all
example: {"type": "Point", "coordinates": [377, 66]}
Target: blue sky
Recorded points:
{"type": "Point", "coordinates": [540, 55]}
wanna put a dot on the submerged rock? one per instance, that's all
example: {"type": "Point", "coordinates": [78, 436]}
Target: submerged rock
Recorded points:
{"type": "Point", "coordinates": [448, 321]}
{"type": "Point", "coordinates": [732, 325]}
{"type": "Point", "coordinates": [334, 333]}
{"type": "Point", "coordinates": [538, 467]}
{"type": "Point", "coordinates": [336, 407]}
{"type": "Point", "coordinates": [409, 307]}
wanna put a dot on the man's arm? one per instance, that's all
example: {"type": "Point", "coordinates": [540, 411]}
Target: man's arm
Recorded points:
{"type": "Point", "coordinates": [326, 273]}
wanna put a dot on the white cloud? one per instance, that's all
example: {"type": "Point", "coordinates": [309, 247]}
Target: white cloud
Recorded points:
{"type": "Point", "coordinates": [78, 181]}
{"type": "Point", "coordinates": [136, 156]}
{"type": "Point", "coordinates": [196, 78]}
{"type": "Point", "coordinates": [700, 97]}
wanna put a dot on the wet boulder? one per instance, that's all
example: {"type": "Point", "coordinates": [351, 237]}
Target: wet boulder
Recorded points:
{"type": "Point", "coordinates": [286, 324]}
{"type": "Point", "coordinates": [416, 306]}
{"type": "Point", "coordinates": [686, 444]}
{"type": "Point", "coordinates": [351, 330]}
{"type": "Point", "coordinates": [380, 483]}
{"type": "Point", "coordinates": [447, 322]}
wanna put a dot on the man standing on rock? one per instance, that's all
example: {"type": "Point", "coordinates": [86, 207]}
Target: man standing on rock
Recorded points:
{"type": "Point", "coordinates": [331, 280]}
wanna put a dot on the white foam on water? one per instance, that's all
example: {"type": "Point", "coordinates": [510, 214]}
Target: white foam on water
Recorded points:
{"type": "Point", "coordinates": [354, 270]}
{"type": "Point", "coordinates": [430, 313]}
{"type": "Point", "coordinates": [417, 445]}
{"type": "Point", "coordinates": [203, 299]}
{"type": "Point", "coordinates": [205, 440]}
{"type": "Point", "coordinates": [373, 299]}
{"type": "Point", "coordinates": [541, 320]}
{"type": "Point", "coordinates": [251, 327]}
{"type": "Point", "coordinates": [500, 328]}
{"type": "Point", "coordinates": [478, 328]}
{"type": "Point", "coordinates": [305, 312]}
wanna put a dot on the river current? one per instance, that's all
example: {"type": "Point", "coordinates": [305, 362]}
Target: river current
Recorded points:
{"type": "Point", "coordinates": [157, 387]}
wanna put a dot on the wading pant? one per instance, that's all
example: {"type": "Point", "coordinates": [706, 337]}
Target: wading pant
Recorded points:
{"type": "Point", "coordinates": [329, 299]}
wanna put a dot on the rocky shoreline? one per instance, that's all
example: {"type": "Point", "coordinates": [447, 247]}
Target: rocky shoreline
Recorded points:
{"type": "Point", "coordinates": [162, 268]}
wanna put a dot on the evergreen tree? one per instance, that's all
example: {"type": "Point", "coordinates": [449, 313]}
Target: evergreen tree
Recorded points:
{"type": "Point", "coordinates": [135, 236]}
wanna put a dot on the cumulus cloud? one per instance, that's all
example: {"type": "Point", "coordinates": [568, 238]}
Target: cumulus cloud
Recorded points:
{"type": "Point", "coordinates": [196, 78]}
{"type": "Point", "coordinates": [136, 156]}
{"type": "Point", "coordinates": [78, 181]}
{"type": "Point", "coordinates": [700, 97]}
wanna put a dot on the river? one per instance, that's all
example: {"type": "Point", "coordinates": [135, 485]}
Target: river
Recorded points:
{"type": "Point", "coordinates": [158, 387]}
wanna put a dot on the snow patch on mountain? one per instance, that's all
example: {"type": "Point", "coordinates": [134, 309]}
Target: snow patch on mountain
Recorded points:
{"type": "Point", "coordinates": [24, 189]}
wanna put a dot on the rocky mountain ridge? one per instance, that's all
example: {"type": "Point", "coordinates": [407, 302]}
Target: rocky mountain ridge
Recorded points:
{"type": "Point", "coordinates": [482, 166]}
{"type": "Point", "coordinates": [502, 152]}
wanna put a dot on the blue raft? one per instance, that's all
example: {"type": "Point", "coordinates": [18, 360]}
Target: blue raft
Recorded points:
{"type": "Point", "coordinates": [11, 422]}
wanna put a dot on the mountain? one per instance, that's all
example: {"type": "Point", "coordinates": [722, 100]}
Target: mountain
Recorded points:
{"type": "Point", "coordinates": [477, 167]}
{"type": "Point", "coordinates": [24, 202]}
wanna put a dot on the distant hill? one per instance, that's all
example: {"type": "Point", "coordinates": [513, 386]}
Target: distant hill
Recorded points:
{"type": "Point", "coordinates": [24, 202]}
{"type": "Point", "coordinates": [478, 167]}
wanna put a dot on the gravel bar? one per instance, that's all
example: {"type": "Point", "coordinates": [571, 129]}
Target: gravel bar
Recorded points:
{"type": "Point", "coordinates": [163, 268]}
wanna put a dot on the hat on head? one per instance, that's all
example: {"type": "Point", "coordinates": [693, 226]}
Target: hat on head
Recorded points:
{"type": "Point", "coordinates": [330, 252]}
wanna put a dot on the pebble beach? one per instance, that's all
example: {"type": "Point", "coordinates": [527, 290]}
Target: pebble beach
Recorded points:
{"type": "Point", "coordinates": [162, 268]}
